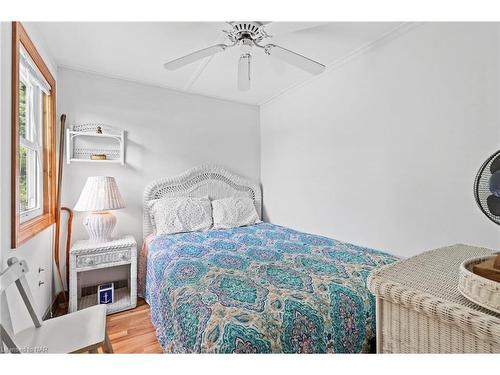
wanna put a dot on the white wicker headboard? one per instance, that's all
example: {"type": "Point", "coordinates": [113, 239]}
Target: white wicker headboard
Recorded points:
{"type": "Point", "coordinates": [206, 180]}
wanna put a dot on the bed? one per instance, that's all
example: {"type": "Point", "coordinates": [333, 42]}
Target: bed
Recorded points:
{"type": "Point", "coordinates": [261, 288]}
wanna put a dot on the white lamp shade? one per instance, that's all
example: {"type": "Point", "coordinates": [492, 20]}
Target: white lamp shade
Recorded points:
{"type": "Point", "coordinates": [100, 193]}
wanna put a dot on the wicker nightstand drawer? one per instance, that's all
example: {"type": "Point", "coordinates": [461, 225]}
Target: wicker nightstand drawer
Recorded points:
{"type": "Point", "coordinates": [100, 258]}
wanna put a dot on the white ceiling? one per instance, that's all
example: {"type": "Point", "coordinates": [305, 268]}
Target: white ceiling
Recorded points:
{"type": "Point", "coordinates": [137, 50]}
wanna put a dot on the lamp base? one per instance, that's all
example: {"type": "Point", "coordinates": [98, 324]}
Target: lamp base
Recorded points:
{"type": "Point", "coordinates": [100, 225]}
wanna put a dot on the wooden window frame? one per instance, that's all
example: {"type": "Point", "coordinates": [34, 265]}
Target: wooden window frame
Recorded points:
{"type": "Point", "coordinates": [22, 232]}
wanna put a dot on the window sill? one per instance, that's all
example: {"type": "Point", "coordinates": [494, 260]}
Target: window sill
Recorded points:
{"type": "Point", "coordinates": [31, 228]}
{"type": "Point", "coordinates": [31, 214]}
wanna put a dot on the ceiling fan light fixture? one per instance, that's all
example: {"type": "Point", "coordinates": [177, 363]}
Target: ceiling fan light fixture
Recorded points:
{"type": "Point", "coordinates": [244, 72]}
{"type": "Point", "coordinates": [246, 45]}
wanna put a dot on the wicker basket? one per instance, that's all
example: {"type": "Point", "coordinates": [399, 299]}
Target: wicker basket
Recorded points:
{"type": "Point", "coordinates": [482, 291]}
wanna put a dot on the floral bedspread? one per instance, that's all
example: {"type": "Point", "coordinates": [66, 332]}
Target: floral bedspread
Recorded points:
{"type": "Point", "coordinates": [261, 289]}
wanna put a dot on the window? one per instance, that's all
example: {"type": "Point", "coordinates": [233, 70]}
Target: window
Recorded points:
{"type": "Point", "coordinates": [31, 98]}
{"type": "Point", "coordinates": [33, 140]}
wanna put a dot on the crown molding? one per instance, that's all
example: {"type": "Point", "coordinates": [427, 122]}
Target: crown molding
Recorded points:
{"type": "Point", "coordinates": [390, 35]}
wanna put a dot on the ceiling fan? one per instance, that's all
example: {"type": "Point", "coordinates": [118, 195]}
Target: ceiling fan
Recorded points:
{"type": "Point", "coordinates": [247, 35]}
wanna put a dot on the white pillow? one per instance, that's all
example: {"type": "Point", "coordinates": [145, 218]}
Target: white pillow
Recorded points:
{"type": "Point", "coordinates": [182, 214]}
{"type": "Point", "coordinates": [234, 212]}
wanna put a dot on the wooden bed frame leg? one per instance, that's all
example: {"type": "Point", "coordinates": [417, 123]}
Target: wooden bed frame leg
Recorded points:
{"type": "Point", "coordinates": [108, 348]}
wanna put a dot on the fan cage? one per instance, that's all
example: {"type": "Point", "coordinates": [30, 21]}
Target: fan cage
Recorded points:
{"type": "Point", "coordinates": [482, 188]}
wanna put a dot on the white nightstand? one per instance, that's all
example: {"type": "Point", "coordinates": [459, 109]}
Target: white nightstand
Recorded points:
{"type": "Point", "coordinates": [92, 264]}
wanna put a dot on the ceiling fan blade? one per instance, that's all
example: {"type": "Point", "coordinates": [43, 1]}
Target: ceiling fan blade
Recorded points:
{"type": "Point", "coordinates": [244, 72]}
{"type": "Point", "coordinates": [195, 56]}
{"type": "Point", "coordinates": [295, 59]}
{"type": "Point", "coordinates": [280, 28]}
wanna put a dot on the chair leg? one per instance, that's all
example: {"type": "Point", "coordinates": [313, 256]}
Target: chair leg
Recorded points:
{"type": "Point", "coordinates": [108, 348]}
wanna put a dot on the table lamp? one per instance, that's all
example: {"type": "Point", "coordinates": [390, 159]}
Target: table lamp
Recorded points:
{"type": "Point", "coordinates": [99, 195]}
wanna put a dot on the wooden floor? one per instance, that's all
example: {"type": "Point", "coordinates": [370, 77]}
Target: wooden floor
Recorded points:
{"type": "Point", "coordinates": [131, 331]}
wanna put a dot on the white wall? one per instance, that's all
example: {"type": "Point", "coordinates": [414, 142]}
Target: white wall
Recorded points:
{"type": "Point", "coordinates": [37, 251]}
{"type": "Point", "coordinates": [167, 133]}
{"type": "Point", "coordinates": [382, 151]}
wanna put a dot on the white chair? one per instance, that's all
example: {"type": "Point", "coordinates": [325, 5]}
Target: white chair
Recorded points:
{"type": "Point", "coordinates": [81, 331]}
